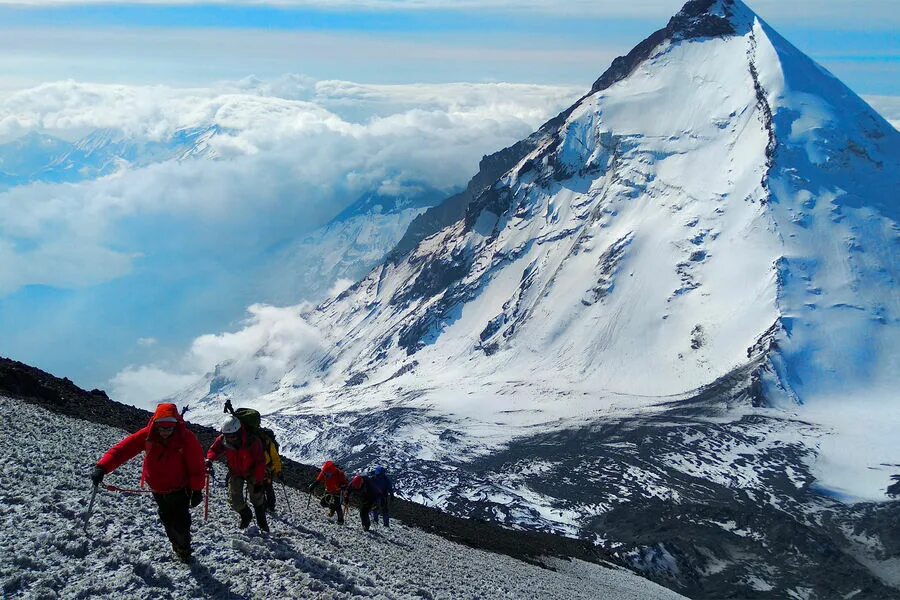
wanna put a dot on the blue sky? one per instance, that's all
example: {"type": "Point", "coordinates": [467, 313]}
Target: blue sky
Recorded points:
{"type": "Point", "coordinates": [404, 41]}
{"type": "Point", "coordinates": [132, 269]}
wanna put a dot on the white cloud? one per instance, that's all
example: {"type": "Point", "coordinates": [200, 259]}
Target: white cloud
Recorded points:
{"type": "Point", "coordinates": [888, 106]}
{"type": "Point", "coordinates": [145, 386]}
{"type": "Point", "coordinates": [286, 166]}
{"type": "Point", "coordinates": [175, 249]}
{"type": "Point", "coordinates": [340, 286]}
{"type": "Point", "coordinates": [147, 342]}
{"type": "Point", "coordinates": [271, 342]}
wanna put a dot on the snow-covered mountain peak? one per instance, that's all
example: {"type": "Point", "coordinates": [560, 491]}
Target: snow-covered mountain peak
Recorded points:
{"type": "Point", "coordinates": [670, 222]}
{"type": "Point", "coordinates": [711, 230]}
{"type": "Point", "coordinates": [656, 197]}
{"type": "Point", "coordinates": [697, 19]}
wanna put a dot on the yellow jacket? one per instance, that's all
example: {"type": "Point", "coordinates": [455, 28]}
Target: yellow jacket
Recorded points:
{"type": "Point", "coordinates": [273, 461]}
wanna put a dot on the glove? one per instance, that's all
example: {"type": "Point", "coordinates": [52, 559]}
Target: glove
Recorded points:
{"type": "Point", "coordinates": [209, 467]}
{"type": "Point", "coordinates": [196, 498]}
{"type": "Point", "coordinates": [97, 475]}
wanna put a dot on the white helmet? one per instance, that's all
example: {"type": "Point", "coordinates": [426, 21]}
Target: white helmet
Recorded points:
{"type": "Point", "coordinates": [231, 425]}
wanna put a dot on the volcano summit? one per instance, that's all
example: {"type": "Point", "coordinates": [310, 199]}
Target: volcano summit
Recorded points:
{"type": "Point", "coordinates": [667, 321]}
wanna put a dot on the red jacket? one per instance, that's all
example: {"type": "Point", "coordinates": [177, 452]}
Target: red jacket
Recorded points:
{"type": "Point", "coordinates": [246, 461]}
{"type": "Point", "coordinates": [169, 465]}
{"type": "Point", "coordinates": [333, 478]}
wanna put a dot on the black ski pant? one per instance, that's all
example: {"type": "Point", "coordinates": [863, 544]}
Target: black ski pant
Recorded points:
{"type": "Point", "coordinates": [333, 503]}
{"type": "Point", "coordinates": [365, 507]}
{"type": "Point", "coordinates": [174, 512]}
{"type": "Point", "coordinates": [270, 495]}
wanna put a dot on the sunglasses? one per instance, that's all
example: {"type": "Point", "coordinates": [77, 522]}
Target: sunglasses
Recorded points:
{"type": "Point", "coordinates": [166, 425]}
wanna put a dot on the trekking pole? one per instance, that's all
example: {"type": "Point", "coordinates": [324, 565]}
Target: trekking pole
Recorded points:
{"type": "Point", "coordinates": [287, 501]}
{"type": "Point", "coordinates": [206, 500]}
{"type": "Point", "coordinates": [308, 499]}
{"type": "Point", "coordinates": [90, 509]}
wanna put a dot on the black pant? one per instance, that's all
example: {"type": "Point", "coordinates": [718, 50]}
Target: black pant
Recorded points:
{"type": "Point", "coordinates": [174, 512]}
{"type": "Point", "coordinates": [270, 495]}
{"type": "Point", "coordinates": [333, 502]}
{"type": "Point", "coordinates": [365, 506]}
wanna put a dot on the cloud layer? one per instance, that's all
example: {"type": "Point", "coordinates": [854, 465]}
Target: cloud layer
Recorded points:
{"type": "Point", "coordinates": [888, 106]}
{"type": "Point", "coordinates": [286, 338]}
{"type": "Point", "coordinates": [174, 249]}
{"type": "Point", "coordinates": [292, 153]}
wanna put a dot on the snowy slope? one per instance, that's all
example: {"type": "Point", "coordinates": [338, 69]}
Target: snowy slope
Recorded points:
{"type": "Point", "coordinates": [347, 247]}
{"type": "Point", "coordinates": [683, 293]}
{"type": "Point", "coordinates": [45, 553]}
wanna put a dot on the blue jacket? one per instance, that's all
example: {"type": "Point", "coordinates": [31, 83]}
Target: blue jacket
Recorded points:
{"type": "Point", "coordinates": [381, 485]}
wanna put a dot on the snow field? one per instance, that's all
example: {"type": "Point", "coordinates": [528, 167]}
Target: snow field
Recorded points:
{"type": "Point", "coordinates": [44, 491]}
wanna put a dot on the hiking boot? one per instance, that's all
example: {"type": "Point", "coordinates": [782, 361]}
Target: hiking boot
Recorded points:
{"type": "Point", "coordinates": [261, 518]}
{"type": "Point", "coordinates": [183, 553]}
{"type": "Point", "coordinates": [246, 516]}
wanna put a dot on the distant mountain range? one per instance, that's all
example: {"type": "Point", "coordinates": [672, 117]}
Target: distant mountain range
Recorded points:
{"type": "Point", "coordinates": [38, 157]}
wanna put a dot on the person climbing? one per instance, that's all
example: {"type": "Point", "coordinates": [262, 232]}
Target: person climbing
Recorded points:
{"type": "Point", "coordinates": [251, 421]}
{"type": "Point", "coordinates": [384, 490]}
{"type": "Point", "coordinates": [335, 481]}
{"type": "Point", "coordinates": [246, 465]}
{"type": "Point", "coordinates": [173, 469]}
{"type": "Point", "coordinates": [365, 494]}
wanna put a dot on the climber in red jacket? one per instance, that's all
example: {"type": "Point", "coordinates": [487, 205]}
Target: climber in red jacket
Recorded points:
{"type": "Point", "coordinates": [335, 481]}
{"type": "Point", "coordinates": [173, 469]}
{"type": "Point", "coordinates": [246, 464]}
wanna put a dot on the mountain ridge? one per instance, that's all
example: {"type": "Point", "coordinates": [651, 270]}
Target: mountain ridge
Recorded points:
{"type": "Point", "coordinates": [682, 289]}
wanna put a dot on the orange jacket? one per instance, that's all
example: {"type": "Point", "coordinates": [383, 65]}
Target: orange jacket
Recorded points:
{"type": "Point", "coordinates": [169, 465]}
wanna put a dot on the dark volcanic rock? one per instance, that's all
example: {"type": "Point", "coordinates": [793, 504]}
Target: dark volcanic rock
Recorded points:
{"type": "Point", "coordinates": [451, 210]}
